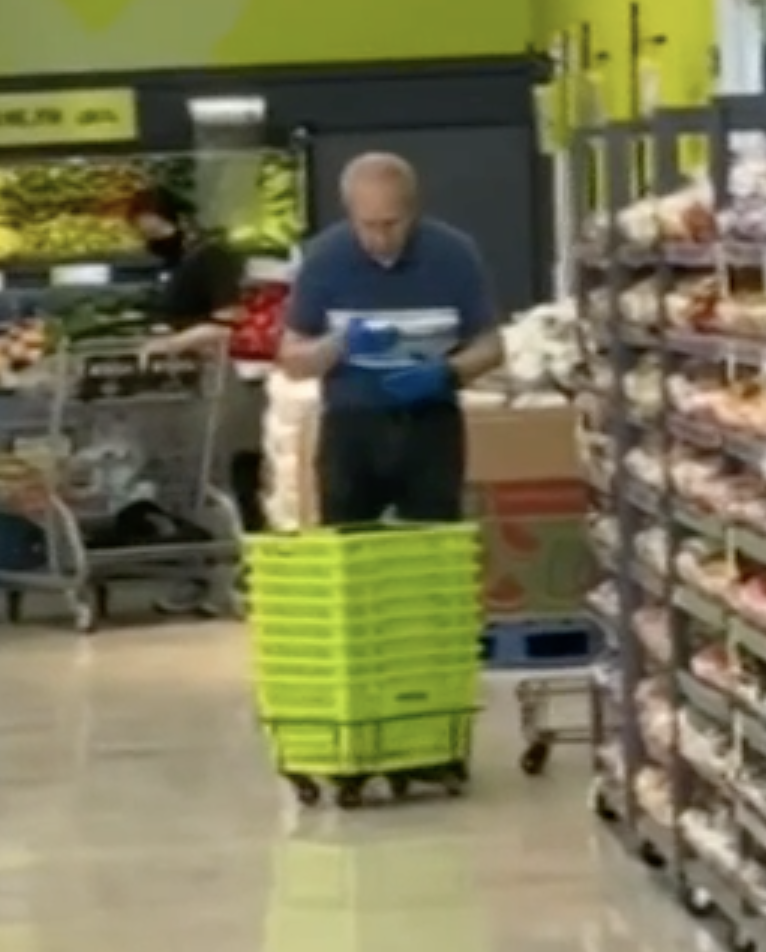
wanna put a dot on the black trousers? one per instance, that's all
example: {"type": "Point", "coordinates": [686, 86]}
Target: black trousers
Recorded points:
{"type": "Point", "coordinates": [412, 461]}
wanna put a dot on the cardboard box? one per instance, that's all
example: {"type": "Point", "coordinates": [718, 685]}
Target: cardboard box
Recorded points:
{"type": "Point", "coordinates": [524, 489]}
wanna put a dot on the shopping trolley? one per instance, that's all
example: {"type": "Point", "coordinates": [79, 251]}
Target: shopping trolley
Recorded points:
{"type": "Point", "coordinates": [553, 656]}
{"type": "Point", "coordinates": [112, 465]}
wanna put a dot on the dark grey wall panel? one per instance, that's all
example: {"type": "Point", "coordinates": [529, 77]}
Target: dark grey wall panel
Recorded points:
{"type": "Point", "coordinates": [478, 179]}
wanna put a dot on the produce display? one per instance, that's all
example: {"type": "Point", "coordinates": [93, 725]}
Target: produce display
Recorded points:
{"type": "Point", "coordinates": [22, 348]}
{"type": "Point", "coordinates": [75, 209]}
{"type": "Point", "coordinates": [279, 223]}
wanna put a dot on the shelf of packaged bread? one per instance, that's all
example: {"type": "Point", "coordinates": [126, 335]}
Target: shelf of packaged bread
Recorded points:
{"type": "Point", "coordinates": [747, 635]}
{"type": "Point", "coordinates": [699, 606]}
{"type": "Point", "coordinates": [717, 348]}
{"type": "Point", "coordinates": [647, 499]}
{"type": "Point", "coordinates": [705, 698]}
{"type": "Point", "coordinates": [703, 524]}
{"type": "Point", "coordinates": [749, 543]}
{"type": "Point", "coordinates": [748, 449]}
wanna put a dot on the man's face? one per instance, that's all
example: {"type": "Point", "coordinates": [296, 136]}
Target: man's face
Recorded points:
{"type": "Point", "coordinates": [382, 219]}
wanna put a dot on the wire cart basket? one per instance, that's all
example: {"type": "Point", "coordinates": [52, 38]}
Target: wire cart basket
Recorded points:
{"type": "Point", "coordinates": [113, 465]}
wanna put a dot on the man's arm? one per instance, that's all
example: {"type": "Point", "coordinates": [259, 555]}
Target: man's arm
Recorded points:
{"type": "Point", "coordinates": [307, 349]}
{"type": "Point", "coordinates": [481, 346]}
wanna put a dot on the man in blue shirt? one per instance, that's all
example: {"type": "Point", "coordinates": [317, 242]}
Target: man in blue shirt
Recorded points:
{"type": "Point", "coordinates": [394, 313]}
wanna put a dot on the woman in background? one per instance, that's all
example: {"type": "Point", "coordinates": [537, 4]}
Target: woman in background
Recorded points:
{"type": "Point", "coordinates": [200, 304]}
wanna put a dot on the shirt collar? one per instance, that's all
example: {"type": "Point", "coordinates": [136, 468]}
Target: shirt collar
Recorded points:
{"type": "Point", "coordinates": [407, 255]}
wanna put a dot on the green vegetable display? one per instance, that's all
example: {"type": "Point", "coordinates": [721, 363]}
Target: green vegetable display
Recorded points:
{"type": "Point", "coordinates": [76, 209]}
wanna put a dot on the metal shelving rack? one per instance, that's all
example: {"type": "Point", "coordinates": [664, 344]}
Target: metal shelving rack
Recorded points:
{"type": "Point", "coordinates": [710, 838]}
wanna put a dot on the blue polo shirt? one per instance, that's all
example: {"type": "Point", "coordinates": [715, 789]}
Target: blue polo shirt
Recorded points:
{"type": "Point", "coordinates": [437, 295]}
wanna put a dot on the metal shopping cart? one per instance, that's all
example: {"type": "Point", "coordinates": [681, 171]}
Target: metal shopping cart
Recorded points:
{"type": "Point", "coordinates": [553, 657]}
{"type": "Point", "coordinates": [114, 468]}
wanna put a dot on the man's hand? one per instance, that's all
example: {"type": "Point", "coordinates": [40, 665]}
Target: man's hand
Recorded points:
{"type": "Point", "coordinates": [431, 380]}
{"type": "Point", "coordinates": [364, 339]}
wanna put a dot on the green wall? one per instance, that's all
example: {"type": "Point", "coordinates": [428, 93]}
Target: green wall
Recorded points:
{"type": "Point", "coordinates": [60, 36]}
{"type": "Point", "coordinates": [684, 61]}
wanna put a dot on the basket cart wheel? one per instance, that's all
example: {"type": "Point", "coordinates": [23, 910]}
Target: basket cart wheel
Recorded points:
{"type": "Point", "coordinates": [399, 784]}
{"type": "Point", "coordinates": [307, 792]}
{"type": "Point", "coordinates": [454, 784]}
{"type": "Point", "coordinates": [101, 601]}
{"type": "Point", "coordinates": [599, 804]}
{"type": "Point", "coordinates": [697, 901]}
{"type": "Point", "coordinates": [462, 770]}
{"type": "Point", "coordinates": [535, 758]}
{"type": "Point", "coordinates": [742, 944]}
{"type": "Point", "coordinates": [85, 607]}
{"type": "Point", "coordinates": [349, 794]}
{"type": "Point", "coordinates": [14, 606]}
{"type": "Point", "coordinates": [650, 855]}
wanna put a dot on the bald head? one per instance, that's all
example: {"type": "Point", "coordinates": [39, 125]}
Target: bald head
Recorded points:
{"type": "Point", "coordinates": [380, 194]}
{"type": "Point", "coordinates": [381, 170]}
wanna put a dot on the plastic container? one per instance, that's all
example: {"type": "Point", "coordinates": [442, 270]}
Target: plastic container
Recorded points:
{"type": "Point", "coordinates": [362, 544]}
{"type": "Point", "coordinates": [328, 749]}
{"type": "Point", "coordinates": [367, 617]}
{"type": "Point", "coordinates": [304, 694]}
{"type": "Point", "coordinates": [368, 581]}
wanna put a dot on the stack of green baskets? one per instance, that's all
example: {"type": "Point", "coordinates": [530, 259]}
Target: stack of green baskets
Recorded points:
{"type": "Point", "coordinates": [365, 646]}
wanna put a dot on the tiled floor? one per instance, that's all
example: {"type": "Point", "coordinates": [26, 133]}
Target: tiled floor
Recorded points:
{"type": "Point", "coordinates": [138, 813]}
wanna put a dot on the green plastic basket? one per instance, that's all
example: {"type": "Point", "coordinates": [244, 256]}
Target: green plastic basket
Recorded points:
{"type": "Point", "coordinates": [398, 643]}
{"type": "Point", "coordinates": [409, 581]}
{"type": "Point", "coordinates": [363, 544]}
{"type": "Point", "coordinates": [281, 665]}
{"type": "Point", "coordinates": [351, 699]}
{"type": "Point", "coordinates": [350, 613]}
{"type": "Point", "coordinates": [339, 750]}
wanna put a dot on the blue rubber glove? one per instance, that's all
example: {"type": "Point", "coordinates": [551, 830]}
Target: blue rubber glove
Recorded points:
{"type": "Point", "coordinates": [363, 339]}
{"type": "Point", "coordinates": [431, 380]}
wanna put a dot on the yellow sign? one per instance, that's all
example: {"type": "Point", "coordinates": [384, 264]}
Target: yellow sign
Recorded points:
{"type": "Point", "coordinates": [77, 117]}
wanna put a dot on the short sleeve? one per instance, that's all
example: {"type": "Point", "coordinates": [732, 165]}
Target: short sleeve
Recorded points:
{"type": "Point", "coordinates": [475, 296]}
{"type": "Point", "coordinates": [307, 304]}
{"type": "Point", "coordinates": [223, 272]}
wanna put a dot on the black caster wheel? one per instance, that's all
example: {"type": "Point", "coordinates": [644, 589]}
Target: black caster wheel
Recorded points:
{"type": "Point", "coordinates": [454, 786]}
{"type": "Point", "coordinates": [649, 854]}
{"type": "Point", "coordinates": [101, 603]}
{"type": "Point", "coordinates": [463, 772]}
{"type": "Point", "coordinates": [697, 901]}
{"type": "Point", "coordinates": [535, 758]}
{"type": "Point", "coordinates": [399, 786]}
{"type": "Point", "coordinates": [14, 606]}
{"type": "Point", "coordinates": [603, 810]}
{"type": "Point", "coordinates": [307, 792]}
{"type": "Point", "coordinates": [349, 797]}
{"type": "Point", "coordinates": [739, 943]}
